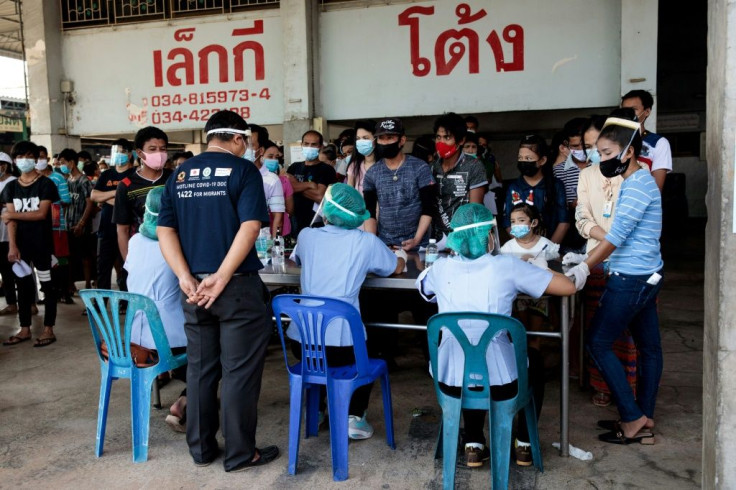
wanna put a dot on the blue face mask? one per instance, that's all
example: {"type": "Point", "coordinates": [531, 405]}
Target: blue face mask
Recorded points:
{"type": "Point", "coordinates": [593, 156]}
{"type": "Point", "coordinates": [272, 165]}
{"type": "Point", "coordinates": [310, 153]}
{"type": "Point", "coordinates": [364, 147]}
{"type": "Point", "coordinates": [348, 158]}
{"type": "Point", "coordinates": [250, 154]}
{"type": "Point", "coordinates": [64, 169]}
{"type": "Point", "coordinates": [474, 155]}
{"type": "Point", "coordinates": [119, 159]}
{"type": "Point", "coordinates": [25, 165]}
{"type": "Point", "coordinates": [520, 231]}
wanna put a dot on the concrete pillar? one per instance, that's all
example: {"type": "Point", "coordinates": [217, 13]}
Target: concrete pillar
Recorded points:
{"type": "Point", "coordinates": [719, 346]}
{"type": "Point", "coordinates": [42, 40]}
{"type": "Point", "coordinates": [639, 20]}
{"type": "Point", "coordinates": [299, 20]}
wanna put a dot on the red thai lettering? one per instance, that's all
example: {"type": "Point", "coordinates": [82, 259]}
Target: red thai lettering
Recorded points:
{"type": "Point", "coordinates": [254, 46]}
{"type": "Point", "coordinates": [465, 17]}
{"type": "Point", "coordinates": [456, 50]}
{"type": "Point", "coordinates": [187, 64]}
{"type": "Point", "coordinates": [421, 66]}
{"type": "Point", "coordinates": [204, 68]}
{"type": "Point", "coordinates": [184, 34]}
{"type": "Point", "coordinates": [513, 34]}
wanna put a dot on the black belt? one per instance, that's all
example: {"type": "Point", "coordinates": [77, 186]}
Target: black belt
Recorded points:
{"type": "Point", "coordinates": [237, 274]}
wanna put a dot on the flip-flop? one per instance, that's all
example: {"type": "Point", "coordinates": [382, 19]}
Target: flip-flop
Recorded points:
{"type": "Point", "coordinates": [14, 339]}
{"type": "Point", "coordinates": [644, 436]}
{"type": "Point", "coordinates": [44, 342]}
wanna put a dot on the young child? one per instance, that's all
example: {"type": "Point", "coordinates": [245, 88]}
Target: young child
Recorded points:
{"type": "Point", "coordinates": [530, 245]}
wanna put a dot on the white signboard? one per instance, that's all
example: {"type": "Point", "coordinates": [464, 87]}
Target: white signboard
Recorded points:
{"type": "Point", "coordinates": [174, 76]}
{"type": "Point", "coordinates": [476, 56]}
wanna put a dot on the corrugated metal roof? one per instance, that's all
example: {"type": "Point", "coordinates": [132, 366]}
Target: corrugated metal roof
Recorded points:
{"type": "Point", "coordinates": [10, 37]}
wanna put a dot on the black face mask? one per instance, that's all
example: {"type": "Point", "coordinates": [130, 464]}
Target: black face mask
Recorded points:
{"type": "Point", "coordinates": [527, 169]}
{"type": "Point", "coordinates": [387, 151]}
{"type": "Point", "coordinates": [613, 167]}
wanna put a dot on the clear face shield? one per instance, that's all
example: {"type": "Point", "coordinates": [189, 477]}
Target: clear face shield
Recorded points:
{"type": "Point", "coordinates": [118, 155]}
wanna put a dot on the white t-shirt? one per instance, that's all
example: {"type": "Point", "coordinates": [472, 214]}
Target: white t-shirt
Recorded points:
{"type": "Point", "coordinates": [150, 275]}
{"type": "Point", "coordinates": [274, 191]}
{"type": "Point", "coordinates": [656, 152]}
{"type": "Point", "coordinates": [488, 284]}
{"type": "Point", "coordinates": [552, 251]}
{"type": "Point", "coordinates": [3, 227]}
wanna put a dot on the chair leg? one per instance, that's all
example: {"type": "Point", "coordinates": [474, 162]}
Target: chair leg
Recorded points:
{"type": "Point", "coordinates": [156, 395]}
{"type": "Point", "coordinates": [388, 413]}
{"type": "Point", "coordinates": [450, 429]}
{"type": "Point", "coordinates": [140, 404]}
{"type": "Point", "coordinates": [500, 424]}
{"type": "Point", "coordinates": [531, 423]}
{"type": "Point", "coordinates": [295, 421]}
{"type": "Point", "coordinates": [312, 416]}
{"type": "Point", "coordinates": [338, 402]}
{"type": "Point", "coordinates": [105, 386]}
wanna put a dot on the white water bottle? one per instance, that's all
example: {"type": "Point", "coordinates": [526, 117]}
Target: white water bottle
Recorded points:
{"type": "Point", "coordinates": [430, 256]}
{"type": "Point", "coordinates": [277, 249]}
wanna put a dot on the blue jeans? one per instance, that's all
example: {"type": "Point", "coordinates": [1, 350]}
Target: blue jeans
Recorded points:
{"type": "Point", "coordinates": [629, 302]}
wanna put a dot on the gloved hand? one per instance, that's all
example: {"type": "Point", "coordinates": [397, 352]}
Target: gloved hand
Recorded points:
{"type": "Point", "coordinates": [579, 274]}
{"type": "Point", "coordinates": [539, 262]}
{"type": "Point", "coordinates": [573, 258]}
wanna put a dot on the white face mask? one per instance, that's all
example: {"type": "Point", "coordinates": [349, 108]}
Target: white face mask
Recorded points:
{"type": "Point", "coordinates": [41, 164]}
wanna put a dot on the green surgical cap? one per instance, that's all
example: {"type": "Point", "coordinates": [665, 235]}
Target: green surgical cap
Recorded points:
{"type": "Point", "coordinates": [344, 206]}
{"type": "Point", "coordinates": [150, 217]}
{"type": "Point", "coordinates": [471, 225]}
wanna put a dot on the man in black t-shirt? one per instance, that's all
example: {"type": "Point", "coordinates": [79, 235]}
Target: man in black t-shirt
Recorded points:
{"type": "Point", "coordinates": [309, 180]}
{"type": "Point", "coordinates": [130, 196]}
{"type": "Point", "coordinates": [211, 213]}
{"type": "Point", "coordinates": [28, 200]}
{"type": "Point", "coordinates": [108, 253]}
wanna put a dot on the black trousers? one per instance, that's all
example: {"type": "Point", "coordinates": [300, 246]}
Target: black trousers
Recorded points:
{"type": "Point", "coordinates": [340, 356]}
{"type": "Point", "coordinates": [6, 270]}
{"type": "Point", "coordinates": [41, 260]}
{"type": "Point", "coordinates": [108, 253]}
{"type": "Point", "coordinates": [226, 342]}
{"type": "Point", "coordinates": [475, 419]}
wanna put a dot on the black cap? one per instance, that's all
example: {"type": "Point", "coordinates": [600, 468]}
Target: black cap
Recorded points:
{"type": "Point", "coordinates": [390, 125]}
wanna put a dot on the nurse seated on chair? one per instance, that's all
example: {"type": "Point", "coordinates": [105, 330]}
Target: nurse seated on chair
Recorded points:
{"type": "Point", "coordinates": [475, 280]}
{"type": "Point", "coordinates": [335, 260]}
{"type": "Point", "coordinates": [150, 275]}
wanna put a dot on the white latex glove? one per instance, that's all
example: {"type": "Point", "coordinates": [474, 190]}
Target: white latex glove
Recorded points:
{"type": "Point", "coordinates": [401, 253]}
{"type": "Point", "coordinates": [579, 274]}
{"type": "Point", "coordinates": [539, 262]}
{"type": "Point", "coordinates": [573, 258]}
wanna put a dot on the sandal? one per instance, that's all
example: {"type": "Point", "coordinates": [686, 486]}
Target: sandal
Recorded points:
{"type": "Point", "coordinates": [43, 342]}
{"type": "Point", "coordinates": [601, 399]}
{"type": "Point", "coordinates": [14, 339]}
{"type": "Point", "coordinates": [644, 436]}
{"type": "Point", "coordinates": [9, 310]}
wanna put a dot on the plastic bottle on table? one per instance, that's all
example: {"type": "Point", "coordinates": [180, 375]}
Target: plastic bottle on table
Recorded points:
{"type": "Point", "coordinates": [430, 256]}
{"type": "Point", "coordinates": [277, 249]}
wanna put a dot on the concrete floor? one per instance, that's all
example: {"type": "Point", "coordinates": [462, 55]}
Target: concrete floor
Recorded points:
{"type": "Point", "coordinates": [48, 413]}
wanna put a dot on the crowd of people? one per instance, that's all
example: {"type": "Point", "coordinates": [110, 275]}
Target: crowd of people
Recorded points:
{"type": "Point", "coordinates": [590, 198]}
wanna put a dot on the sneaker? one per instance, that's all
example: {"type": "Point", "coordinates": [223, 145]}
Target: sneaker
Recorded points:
{"type": "Point", "coordinates": [476, 454]}
{"type": "Point", "coordinates": [523, 452]}
{"type": "Point", "coordinates": [359, 428]}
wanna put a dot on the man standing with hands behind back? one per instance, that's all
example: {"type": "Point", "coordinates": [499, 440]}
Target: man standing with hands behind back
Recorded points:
{"type": "Point", "coordinates": [225, 302]}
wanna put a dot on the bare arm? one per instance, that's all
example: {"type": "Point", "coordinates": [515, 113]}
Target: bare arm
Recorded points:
{"type": "Point", "coordinates": [123, 239]}
{"type": "Point", "coordinates": [277, 221]}
{"type": "Point", "coordinates": [13, 252]}
{"type": "Point", "coordinates": [103, 196]}
{"type": "Point", "coordinates": [400, 264]}
{"type": "Point", "coordinates": [600, 253]}
{"type": "Point", "coordinates": [40, 214]}
{"type": "Point", "coordinates": [476, 195]}
{"type": "Point", "coordinates": [170, 245]}
{"type": "Point", "coordinates": [659, 176]}
{"type": "Point", "coordinates": [289, 203]}
{"type": "Point", "coordinates": [89, 206]}
{"type": "Point", "coordinates": [560, 232]}
{"type": "Point", "coordinates": [424, 223]}
{"type": "Point", "coordinates": [560, 285]}
{"type": "Point", "coordinates": [316, 193]}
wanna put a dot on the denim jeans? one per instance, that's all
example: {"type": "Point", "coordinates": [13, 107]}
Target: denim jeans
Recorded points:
{"type": "Point", "coordinates": [629, 302]}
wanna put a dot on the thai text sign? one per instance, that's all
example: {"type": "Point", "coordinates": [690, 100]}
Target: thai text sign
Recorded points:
{"type": "Point", "coordinates": [472, 56]}
{"type": "Point", "coordinates": [175, 76]}
{"type": "Point", "coordinates": [11, 125]}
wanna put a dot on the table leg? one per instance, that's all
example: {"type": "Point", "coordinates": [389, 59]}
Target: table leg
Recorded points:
{"type": "Point", "coordinates": [565, 382]}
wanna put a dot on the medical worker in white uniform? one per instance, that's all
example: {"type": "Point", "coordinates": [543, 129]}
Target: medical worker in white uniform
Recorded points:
{"type": "Point", "coordinates": [475, 280]}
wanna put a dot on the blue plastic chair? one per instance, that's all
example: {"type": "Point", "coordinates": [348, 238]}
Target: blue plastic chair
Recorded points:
{"type": "Point", "coordinates": [475, 375]}
{"type": "Point", "coordinates": [312, 315]}
{"type": "Point", "coordinates": [106, 326]}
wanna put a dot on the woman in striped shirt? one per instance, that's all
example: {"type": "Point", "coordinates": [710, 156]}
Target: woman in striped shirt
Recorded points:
{"type": "Point", "coordinates": [630, 297]}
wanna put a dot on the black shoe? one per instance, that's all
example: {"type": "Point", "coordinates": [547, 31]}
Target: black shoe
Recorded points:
{"type": "Point", "coordinates": [268, 454]}
{"type": "Point", "coordinates": [209, 461]}
{"type": "Point", "coordinates": [68, 300]}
